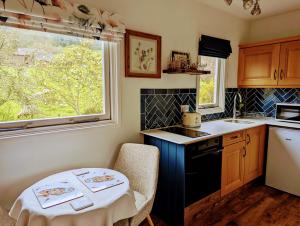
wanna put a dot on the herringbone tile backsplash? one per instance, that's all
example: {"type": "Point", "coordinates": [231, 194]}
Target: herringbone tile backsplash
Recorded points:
{"type": "Point", "coordinates": [161, 107]}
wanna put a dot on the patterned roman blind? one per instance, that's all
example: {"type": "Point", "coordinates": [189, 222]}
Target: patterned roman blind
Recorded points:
{"type": "Point", "coordinates": [62, 16]}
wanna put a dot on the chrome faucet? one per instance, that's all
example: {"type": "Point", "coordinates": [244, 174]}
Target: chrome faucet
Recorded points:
{"type": "Point", "coordinates": [234, 104]}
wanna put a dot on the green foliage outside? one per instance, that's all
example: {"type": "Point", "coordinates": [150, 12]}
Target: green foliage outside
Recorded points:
{"type": "Point", "coordinates": [207, 82]}
{"type": "Point", "coordinates": [207, 90]}
{"type": "Point", "coordinates": [45, 75]}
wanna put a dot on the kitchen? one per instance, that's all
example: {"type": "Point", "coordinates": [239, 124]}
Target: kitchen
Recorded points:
{"type": "Point", "coordinates": [254, 139]}
{"type": "Point", "coordinates": [218, 169]}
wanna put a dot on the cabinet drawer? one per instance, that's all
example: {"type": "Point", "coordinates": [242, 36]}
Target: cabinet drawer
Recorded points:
{"type": "Point", "coordinates": [233, 137]}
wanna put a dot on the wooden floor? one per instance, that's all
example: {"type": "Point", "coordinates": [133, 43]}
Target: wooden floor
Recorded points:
{"type": "Point", "coordinates": [257, 206]}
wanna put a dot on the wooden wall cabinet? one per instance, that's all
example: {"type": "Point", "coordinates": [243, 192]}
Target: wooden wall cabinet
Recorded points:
{"type": "Point", "coordinates": [289, 74]}
{"type": "Point", "coordinates": [270, 64]}
{"type": "Point", "coordinates": [259, 65]}
{"type": "Point", "coordinates": [243, 161]}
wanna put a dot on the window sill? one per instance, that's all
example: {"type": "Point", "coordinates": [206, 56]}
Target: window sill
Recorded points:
{"type": "Point", "coordinates": [55, 129]}
{"type": "Point", "coordinates": [208, 111]}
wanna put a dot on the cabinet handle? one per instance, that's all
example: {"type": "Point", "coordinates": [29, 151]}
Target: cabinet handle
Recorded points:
{"type": "Point", "coordinates": [275, 74]}
{"type": "Point", "coordinates": [249, 139]}
{"type": "Point", "coordinates": [281, 74]}
{"type": "Point", "coordinates": [245, 152]}
{"type": "Point", "coordinates": [234, 137]}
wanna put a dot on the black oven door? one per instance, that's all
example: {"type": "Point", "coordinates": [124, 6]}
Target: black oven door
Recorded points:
{"type": "Point", "coordinates": [203, 173]}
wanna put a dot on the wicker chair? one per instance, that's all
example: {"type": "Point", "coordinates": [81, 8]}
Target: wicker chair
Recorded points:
{"type": "Point", "coordinates": [140, 164]}
{"type": "Point", "coordinates": [5, 220]}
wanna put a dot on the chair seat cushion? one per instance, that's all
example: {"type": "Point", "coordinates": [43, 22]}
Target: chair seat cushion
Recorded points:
{"type": "Point", "coordinates": [5, 220]}
{"type": "Point", "coordinates": [140, 200]}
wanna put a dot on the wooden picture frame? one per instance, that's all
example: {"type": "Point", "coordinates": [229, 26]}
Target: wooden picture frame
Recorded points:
{"type": "Point", "coordinates": [142, 55]}
{"type": "Point", "coordinates": [182, 57]}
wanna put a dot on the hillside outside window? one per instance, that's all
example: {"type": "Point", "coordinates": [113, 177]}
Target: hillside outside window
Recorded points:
{"type": "Point", "coordinates": [52, 79]}
{"type": "Point", "coordinates": [211, 87]}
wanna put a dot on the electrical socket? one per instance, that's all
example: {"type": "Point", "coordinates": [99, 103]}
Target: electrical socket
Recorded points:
{"type": "Point", "coordinates": [184, 108]}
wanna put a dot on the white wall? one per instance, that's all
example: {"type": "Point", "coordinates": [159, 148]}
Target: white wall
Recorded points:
{"type": "Point", "coordinates": [180, 23]}
{"type": "Point", "coordinates": [280, 26]}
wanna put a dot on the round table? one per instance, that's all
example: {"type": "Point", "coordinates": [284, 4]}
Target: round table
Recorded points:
{"type": "Point", "coordinates": [110, 205]}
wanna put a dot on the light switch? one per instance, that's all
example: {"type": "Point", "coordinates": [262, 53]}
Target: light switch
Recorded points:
{"type": "Point", "coordinates": [185, 108]}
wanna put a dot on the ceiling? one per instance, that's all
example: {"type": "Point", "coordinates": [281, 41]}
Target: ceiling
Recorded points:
{"type": "Point", "coordinates": [268, 7]}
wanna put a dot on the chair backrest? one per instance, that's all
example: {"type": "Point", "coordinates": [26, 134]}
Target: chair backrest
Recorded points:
{"type": "Point", "coordinates": [5, 220]}
{"type": "Point", "coordinates": [140, 164]}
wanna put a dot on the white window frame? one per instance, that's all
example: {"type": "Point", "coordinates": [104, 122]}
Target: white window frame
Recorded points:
{"type": "Point", "coordinates": [111, 68]}
{"type": "Point", "coordinates": [219, 107]}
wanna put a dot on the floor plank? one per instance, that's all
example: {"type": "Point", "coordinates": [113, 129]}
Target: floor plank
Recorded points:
{"type": "Point", "coordinates": [258, 205]}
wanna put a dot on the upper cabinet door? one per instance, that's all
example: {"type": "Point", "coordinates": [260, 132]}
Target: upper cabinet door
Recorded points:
{"type": "Point", "coordinates": [258, 66]}
{"type": "Point", "coordinates": [289, 74]}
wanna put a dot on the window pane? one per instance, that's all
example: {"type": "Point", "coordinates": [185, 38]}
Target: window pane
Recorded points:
{"type": "Point", "coordinates": [45, 75]}
{"type": "Point", "coordinates": [207, 83]}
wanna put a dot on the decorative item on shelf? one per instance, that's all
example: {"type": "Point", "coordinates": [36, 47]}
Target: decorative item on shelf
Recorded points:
{"type": "Point", "coordinates": [201, 66]}
{"type": "Point", "coordinates": [248, 4]}
{"type": "Point", "coordinates": [180, 63]}
{"type": "Point", "coordinates": [181, 59]}
{"type": "Point", "coordinates": [142, 55]}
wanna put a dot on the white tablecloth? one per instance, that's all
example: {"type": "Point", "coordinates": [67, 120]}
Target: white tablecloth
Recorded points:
{"type": "Point", "coordinates": [110, 205]}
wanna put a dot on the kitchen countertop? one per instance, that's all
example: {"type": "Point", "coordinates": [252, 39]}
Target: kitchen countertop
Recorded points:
{"type": "Point", "coordinates": [216, 128]}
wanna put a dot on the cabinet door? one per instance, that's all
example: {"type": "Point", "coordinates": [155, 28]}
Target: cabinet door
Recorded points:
{"type": "Point", "coordinates": [289, 75]}
{"type": "Point", "coordinates": [232, 167]}
{"type": "Point", "coordinates": [254, 159]}
{"type": "Point", "coordinates": [258, 66]}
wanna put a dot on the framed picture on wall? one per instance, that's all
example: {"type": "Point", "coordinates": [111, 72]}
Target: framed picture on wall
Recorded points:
{"type": "Point", "coordinates": [142, 55]}
{"type": "Point", "coordinates": [181, 59]}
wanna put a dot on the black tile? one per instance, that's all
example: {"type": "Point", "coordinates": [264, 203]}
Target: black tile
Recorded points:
{"type": "Point", "coordinates": [173, 91]}
{"type": "Point", "coordinates": [142, 121]}
{"type": "Point", "coordinates": [161, 107]}
{"type": "Point", "coordinates": [143, 103]}
{"type": "Point", "coordinates": [193, 90]}
{"type": "Point", "coordinates": [147, 91]}
{"type": "Point", "coordinates": [231, 90]}
{"type": "Point", "coordinates": [161, 91]}
{"type": "Point", "coordinates": [184, 90]}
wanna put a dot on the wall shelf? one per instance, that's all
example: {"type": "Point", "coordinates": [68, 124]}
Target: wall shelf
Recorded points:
{"type": "Point", "coordinates": [190, 72]}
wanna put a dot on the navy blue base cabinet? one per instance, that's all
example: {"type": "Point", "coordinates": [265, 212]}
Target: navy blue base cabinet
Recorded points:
{"type": "Point", "coordinates": [187, 173]}
{"type": "Point", "coordinates": [169, 199]}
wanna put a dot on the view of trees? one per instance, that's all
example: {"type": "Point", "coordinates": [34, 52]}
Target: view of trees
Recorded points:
{"type": "Point", "coordinates": [48, 75]}
{"type": "Point", "coordinates": [207, 82]}
{"type": "Point", "coordinates": [207, 88]}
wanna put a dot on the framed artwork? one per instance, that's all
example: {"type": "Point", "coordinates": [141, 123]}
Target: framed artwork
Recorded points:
{"type": "Point", "coordinates": [142, 55]}
{"type": "Point", "coordinates": [181, 59]}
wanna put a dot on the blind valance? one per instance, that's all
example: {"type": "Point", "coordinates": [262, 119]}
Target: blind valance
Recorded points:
{"type": "Point", "coordinates": [62, 16]}
{"type": "Point", "coordinates": [214, 47]}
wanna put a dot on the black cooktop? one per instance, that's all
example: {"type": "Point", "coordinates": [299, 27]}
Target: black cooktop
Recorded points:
{"type": "Point", "coordinates": [185, 132]}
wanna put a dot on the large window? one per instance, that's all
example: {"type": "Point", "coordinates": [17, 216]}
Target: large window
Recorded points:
{"type": "Point", "coordinates": [50, 79]}
{"type": "Point", "coordinates": [210, 87]}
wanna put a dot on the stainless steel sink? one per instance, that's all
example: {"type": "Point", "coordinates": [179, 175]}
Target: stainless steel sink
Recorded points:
{"type": "Point", "coordinates": [238, 121]}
